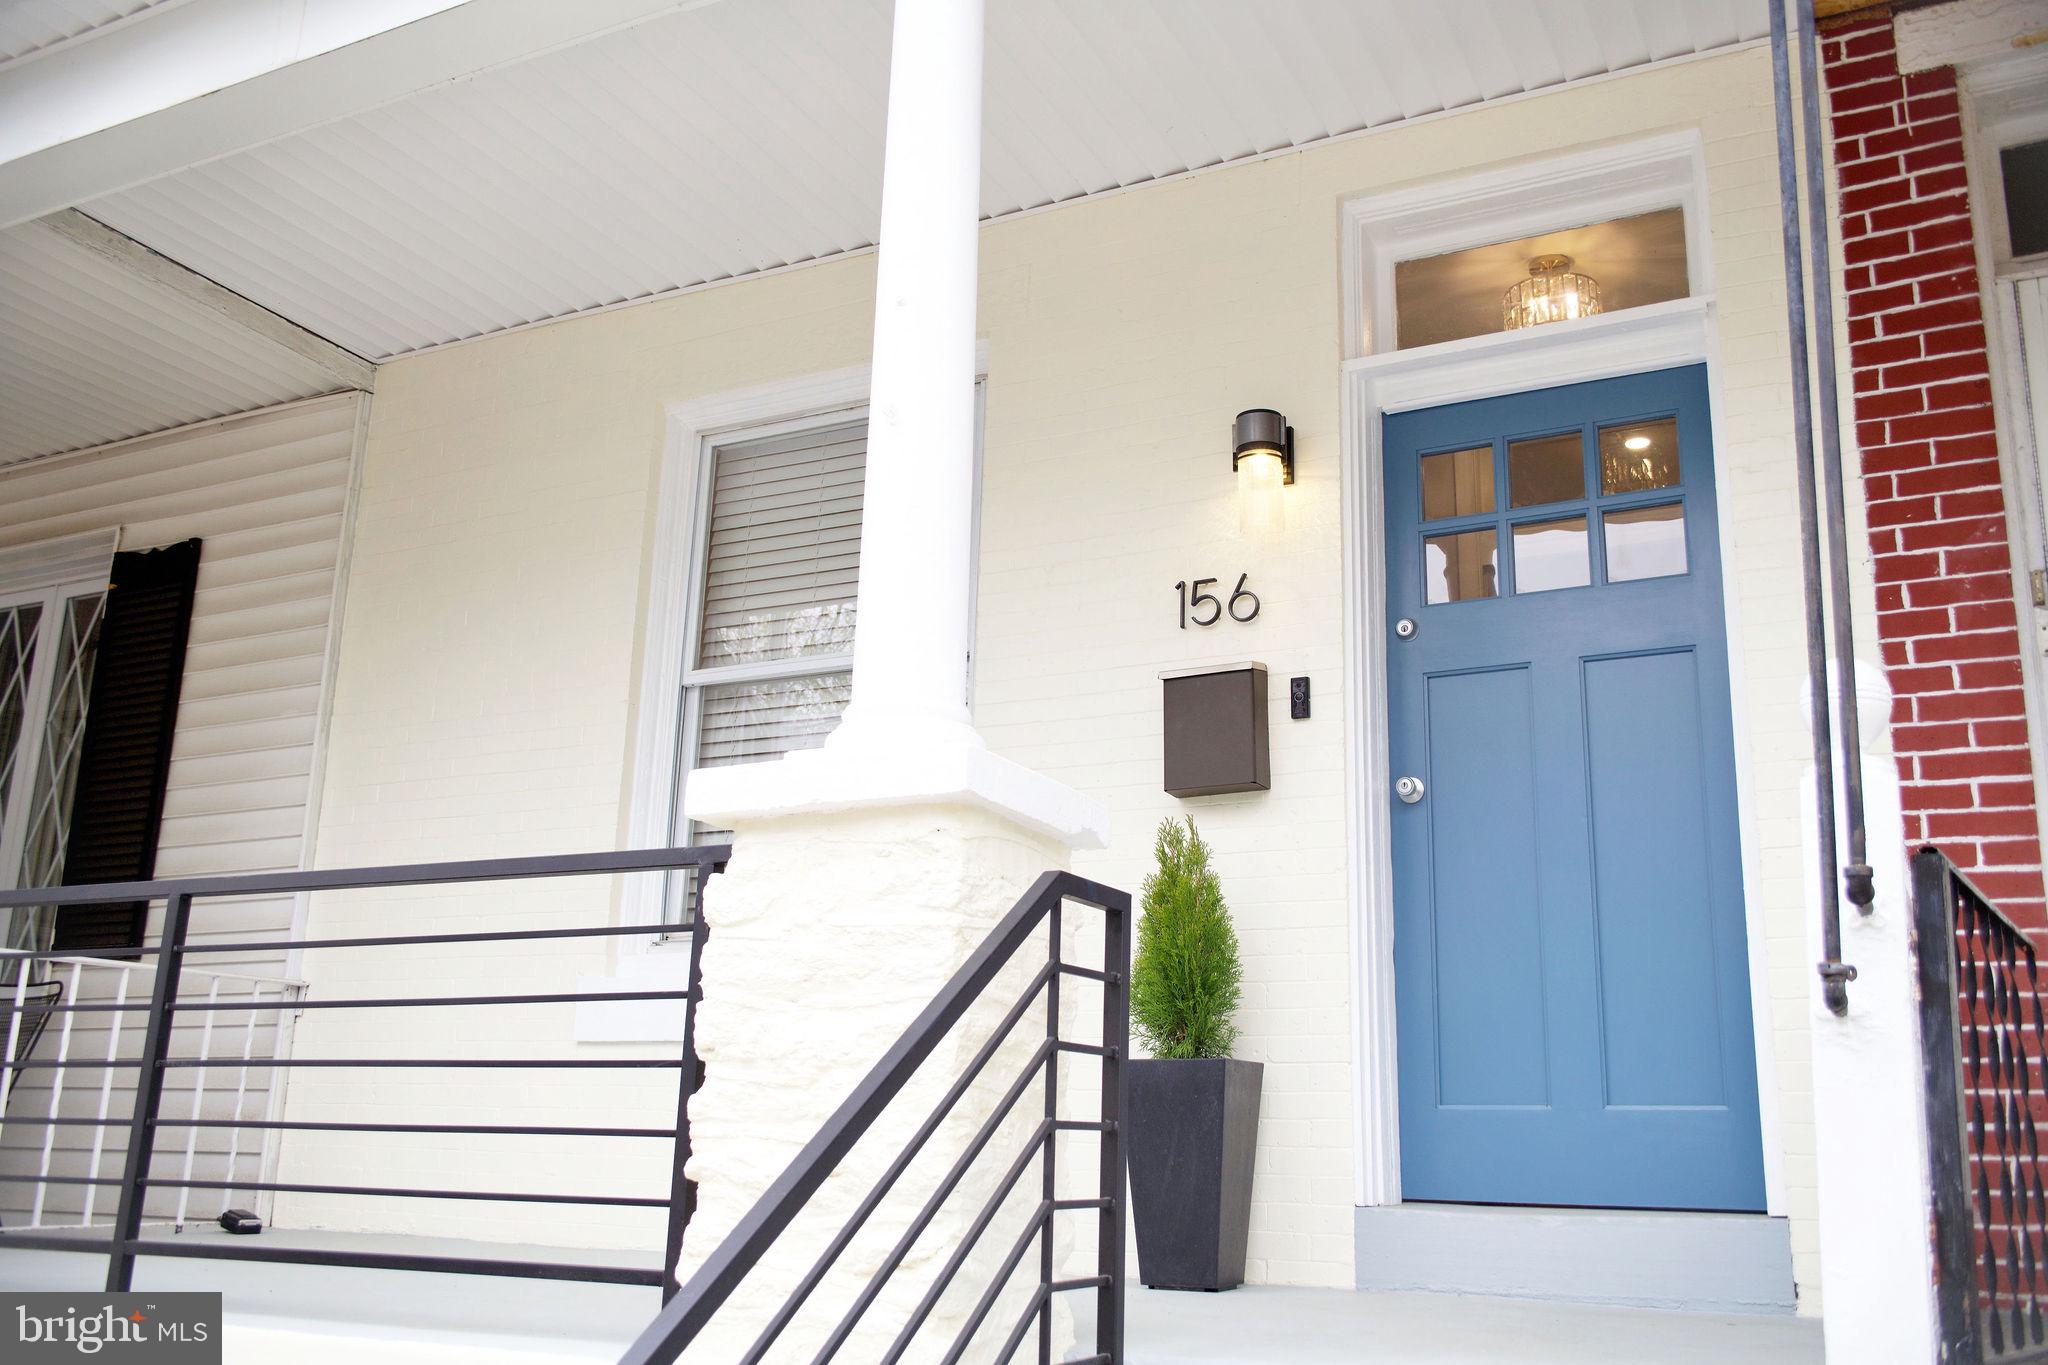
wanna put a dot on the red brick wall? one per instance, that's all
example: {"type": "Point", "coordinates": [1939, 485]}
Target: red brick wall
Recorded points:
{"type": "Point", "coordinates": [1921, 379]}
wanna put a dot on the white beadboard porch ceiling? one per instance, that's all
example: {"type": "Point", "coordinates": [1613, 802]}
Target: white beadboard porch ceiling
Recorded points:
{"type": "Point", "coordinates": [745, 135]}
{"type": "Point", "coordinates": [89, 353]}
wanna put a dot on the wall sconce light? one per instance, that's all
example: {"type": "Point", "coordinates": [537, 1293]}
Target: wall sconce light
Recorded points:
{"type": "Point", "coordinates": [1262, 454]}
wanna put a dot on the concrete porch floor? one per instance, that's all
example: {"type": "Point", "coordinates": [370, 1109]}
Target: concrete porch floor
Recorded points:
{"type": "Point", "coordinates": [315, 1314]}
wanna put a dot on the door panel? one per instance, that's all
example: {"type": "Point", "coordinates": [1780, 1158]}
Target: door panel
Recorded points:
{"type": "Point", "coordinates": [1489, 1015]}
{"type": "Point", "coordinates": [1572, 985]}
{"type": "Point", "coordinates": [1659, 1030]}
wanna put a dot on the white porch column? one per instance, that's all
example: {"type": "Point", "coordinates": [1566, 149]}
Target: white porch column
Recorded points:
{"type": "Point", "coordinates": [911, 644]}
{"type": "Point", "coordinates": [1876, 1261]}
{"type": "Point", "coordinates": [865, 872]}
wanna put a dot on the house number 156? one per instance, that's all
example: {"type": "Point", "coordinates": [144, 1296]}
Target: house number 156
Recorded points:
{"type": "Point", "coordinates": [1195, 598]}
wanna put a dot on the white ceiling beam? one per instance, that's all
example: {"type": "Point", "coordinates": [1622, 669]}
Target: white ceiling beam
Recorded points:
{"type": "Point", "coordinates": [168, 54]}
{"type": "Point", "coordinates": [452, 45]}
{"type": "Point", "coordinates": [160, 272]}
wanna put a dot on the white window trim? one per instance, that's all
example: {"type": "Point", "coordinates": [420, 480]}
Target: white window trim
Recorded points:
{"type": "Point", "coordinates": [695, 429]}
{"type": "Point", "coordinates": [50, 573]}
{"type": "Point", "coordinates": [1502, 204]}
{"type": "Point", "coordinates": [2005, 101]}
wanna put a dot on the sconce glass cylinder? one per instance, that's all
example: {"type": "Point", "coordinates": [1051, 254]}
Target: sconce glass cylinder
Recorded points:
{"type": "Point", "coordinates": [1554, 292]}
{"type": "Point", "coordinates": [1262, 453]}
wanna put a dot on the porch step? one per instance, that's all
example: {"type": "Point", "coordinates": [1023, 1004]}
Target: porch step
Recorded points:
{"type": "Point", "coordinates": [1692, 1262]}
{"type": "Point", "coordinates": [1333, 1326]}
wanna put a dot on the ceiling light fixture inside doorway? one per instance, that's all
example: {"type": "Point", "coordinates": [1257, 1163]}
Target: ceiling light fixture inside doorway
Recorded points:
{"type": "Point", "coordinates": [1553, 292]}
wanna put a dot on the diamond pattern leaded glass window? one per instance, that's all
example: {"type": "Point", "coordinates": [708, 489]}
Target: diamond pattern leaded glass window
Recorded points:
{"type": "Point", "coordinates": [46, 661]}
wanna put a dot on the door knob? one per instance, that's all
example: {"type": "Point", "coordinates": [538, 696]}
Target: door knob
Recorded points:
{"type": "Point", "coordinates": [1409, 789]}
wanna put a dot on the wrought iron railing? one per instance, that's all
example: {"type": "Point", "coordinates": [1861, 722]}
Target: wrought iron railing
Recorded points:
{"type": "Point", "coordinates": [727, 1267]}
{"type": "Point", "coordinates": [1984, 1043]}
{"type": "Point", "coordinates": [122, 1240]}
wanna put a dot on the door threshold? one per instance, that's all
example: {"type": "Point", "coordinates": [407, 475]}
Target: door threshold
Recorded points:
{"type": "Point", "coordinates": [1694, 1262]}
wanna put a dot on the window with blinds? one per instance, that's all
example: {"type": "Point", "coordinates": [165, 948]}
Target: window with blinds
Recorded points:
{"type": "Point", "coordinates": [779, 563]}
{"type": "Point", "coordinates": [782, 554]}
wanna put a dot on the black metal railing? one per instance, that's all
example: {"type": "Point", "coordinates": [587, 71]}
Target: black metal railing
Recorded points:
{"type": "Point", "coordinates": [123, 1241]}
{"type": "Point", "coordinates": [1984, 1044]}
{"type": "Point", "coordinates": [722, 1273]}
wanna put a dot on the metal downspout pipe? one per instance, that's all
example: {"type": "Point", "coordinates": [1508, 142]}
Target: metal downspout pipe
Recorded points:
{"type": "Point", "coordinates": [1855, 872]}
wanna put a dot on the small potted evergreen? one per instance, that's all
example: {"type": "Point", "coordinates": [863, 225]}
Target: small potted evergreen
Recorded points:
{"type": "Point", "coordinates": [1191, 1110]}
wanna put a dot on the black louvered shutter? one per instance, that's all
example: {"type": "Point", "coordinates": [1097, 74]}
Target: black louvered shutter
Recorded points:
{"type": "Point", "coordinates": [126, 753]}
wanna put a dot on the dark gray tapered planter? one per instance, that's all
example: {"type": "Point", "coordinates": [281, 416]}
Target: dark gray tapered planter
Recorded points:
{"type": "Point", "coordinates": [1192, 1130]}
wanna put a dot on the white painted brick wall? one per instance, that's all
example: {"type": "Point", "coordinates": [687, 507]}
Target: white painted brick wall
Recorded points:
{"type": "Point", "coordinates": [485, 698]}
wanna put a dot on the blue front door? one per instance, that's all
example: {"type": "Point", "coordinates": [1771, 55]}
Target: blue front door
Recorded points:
{"type": "Point", "coordinates": [1571, 967]}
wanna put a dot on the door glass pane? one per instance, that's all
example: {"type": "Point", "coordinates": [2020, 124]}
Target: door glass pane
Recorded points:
{"type": "Point", "coordinates": [1638, 456]}
{"type": "Point", "coordinates": [1546, 469]}
{"type": "Point", "coordinates": [1551, 554]}
{"type": "Point", "coordinates": [2023, 171]}
{"type": "Point", "coordinates": [50, 794]}
{"type": "Point", "coordinates": [1457, 483]}
{"type": "Point", "coordinates": [1461, 567]}
{"type": "Point", "coordinates": [1645, 542]}
{"type": "Point", "coordinates": [17, 659]}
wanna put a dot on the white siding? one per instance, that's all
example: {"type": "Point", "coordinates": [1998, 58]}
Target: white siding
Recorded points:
{"type": "Point", "coordinates": [267, 493]}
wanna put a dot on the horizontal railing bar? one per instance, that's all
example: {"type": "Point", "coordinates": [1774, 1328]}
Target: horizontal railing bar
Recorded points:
{"type": "Point", "coordinates": [1084, 1126]}
{"type": "Point", "coordinates": [1040, 1135]}
{"type": "Point", "coordinates": [1077, 1205]}
{"type": "Point", "coordinates": [395, 1002]}
{"type": "Point", "coordinates": [998, 1282]}
{"type": "Point", "coordinates": [488, 1129]}
{"type": "Point", "coordinates": [1085, 1282]}
{"type": "Point", "coordinates": [1085, 973]}
{"type": "Point", "coordinates": [879, 1191]}
{"type": "Point", "coordinates": [1084, 1049]}
{"type": "Point", "coordinates": [693, 1305]}
{"type": "Point", "coordinates": [382, 1192]}
{"type": "Point", "coordinates": [376, 1260]}
{"type": "Point", "coordinates": [111, 962]}
{"type": "Point", "coordinates": [259, 1063]}
{"type": "Point", "coordinates": [434, 1001]}
{"type": "Point", "coordinates": [310, 1126]}
{"type": "Point", "coordinates": [362, 878]}
{"type": "Point", "coordinates": [10, 1178]}
{"type": "Point", "coordinates": [497, 936]}
{"type": "Point", "coordinates": [45, 1241]}
{"type": "Point", "coordinates": [998, 1115]}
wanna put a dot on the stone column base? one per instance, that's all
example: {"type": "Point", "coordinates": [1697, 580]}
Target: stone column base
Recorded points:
{"type": "Point", "coordinates": [829, 932]}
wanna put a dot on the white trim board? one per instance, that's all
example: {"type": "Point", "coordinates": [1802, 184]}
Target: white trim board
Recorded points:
{"type": "Point", "coordinates": [2005, 101]}
{"type": "Point", "coordinates": [1692, 1262]}
{"type": "Point", "coordinates": [1600, 347]}
{"type": "Point", "coordinates": [656, 778]}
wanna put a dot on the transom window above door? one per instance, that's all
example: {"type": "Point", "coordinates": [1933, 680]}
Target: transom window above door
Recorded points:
{"type": "Point", "coordinates": [1573, 272]}
{"type": "Point", "coordinates": [1545, 511]}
